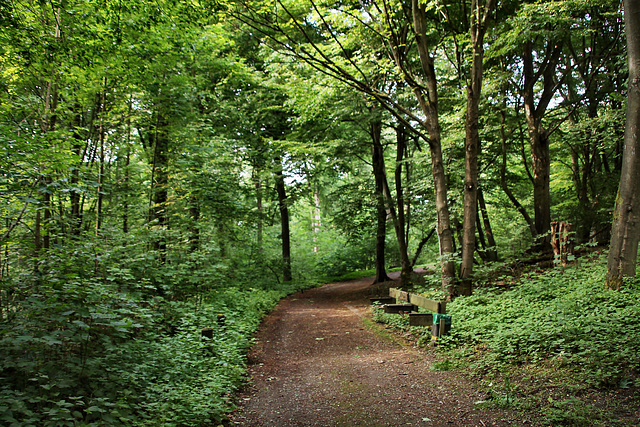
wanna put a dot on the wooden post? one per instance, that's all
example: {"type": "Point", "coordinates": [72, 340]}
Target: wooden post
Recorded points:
{"type": "Point", "coordinates": [207, 333]}
{"type": "Point", "coordinates": [222, 320]}
{"type": "Point", "coordinates": [441, 330]}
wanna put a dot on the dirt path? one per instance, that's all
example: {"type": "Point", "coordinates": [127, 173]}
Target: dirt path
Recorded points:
{"type": "Point", "coordinates": [317, 361]}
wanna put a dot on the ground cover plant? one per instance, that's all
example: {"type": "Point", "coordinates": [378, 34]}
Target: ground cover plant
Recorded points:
{"type": "Point", "coordinates": [563, 313]}
{"type": "Point", "coordinates": [556, 340]}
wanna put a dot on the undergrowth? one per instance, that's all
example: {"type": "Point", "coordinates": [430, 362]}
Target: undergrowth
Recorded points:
{"type": "Point", "coordinates": [563, 313]}
{"type": "Point", "coordinates": [556, 341]}
{"type": "Point", "coordinates": [99, 352]}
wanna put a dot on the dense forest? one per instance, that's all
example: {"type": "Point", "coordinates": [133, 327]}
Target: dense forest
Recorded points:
{"type": "Point", "coordinates": [169, 166]}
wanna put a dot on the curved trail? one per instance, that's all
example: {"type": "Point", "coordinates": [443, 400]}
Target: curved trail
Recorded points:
{"type": "Point", "coordinates": [317, 361]}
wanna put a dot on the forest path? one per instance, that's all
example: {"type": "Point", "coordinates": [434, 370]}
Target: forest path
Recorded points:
{"type": "Point", "coordinates": [319, 361]}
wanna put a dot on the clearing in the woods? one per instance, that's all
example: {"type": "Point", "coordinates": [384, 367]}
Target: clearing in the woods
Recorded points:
{"type": "Point", "coordinates": [319, 360]}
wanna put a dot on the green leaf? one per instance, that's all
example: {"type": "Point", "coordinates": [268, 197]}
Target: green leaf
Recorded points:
{"type": "Point", "coordinates": [80, 323]}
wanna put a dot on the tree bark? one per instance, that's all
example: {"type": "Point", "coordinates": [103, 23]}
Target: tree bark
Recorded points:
{"type": "Point", "coordinates": [505, 186]}
{"type": "Point", "coordinates": [160, 184]}
{"type": "Point", "coordinates": [402, 228]}
{"type": "Point", "coordinates": [284, 221]}
{"type": "Point", "coordinates": [257, 183]}
{"type": "Point", "coordinates": [381, 234]}
{"type": "Point", "coordinates": [538, 135]}
{"type": "Point", "coordinates": [377, 155]}
{"type": "Point", "coordinates": [420, 246]}
{"type": "Point", "coordinates": [316, 219]}
{"type": "Point", "coordinates": [101, 159]}
{"type": "Point", "coordinates": [381, 173]}
{"type": "Point", "coordinates": [127, 174]}
{"type": "Point", "coordinates": [194, 237]}
{"type": "Point", "coordinates": [477, 31]}
{"type": "Point", "coordinates": [429, 106]}
{"type": "Point", "coordinates": [78, 149]}
{"type": "Point", "coordinates": [625, 232]}
{"type": "Point", "coordinates": [492, 250]}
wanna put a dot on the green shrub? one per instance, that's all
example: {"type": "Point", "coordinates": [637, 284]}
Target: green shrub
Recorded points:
{"type": "Point", "coordinates": [95, 344]}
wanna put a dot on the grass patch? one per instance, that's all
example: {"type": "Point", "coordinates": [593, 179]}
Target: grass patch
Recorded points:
{"type": "Point", "coordinates": [381, 332]}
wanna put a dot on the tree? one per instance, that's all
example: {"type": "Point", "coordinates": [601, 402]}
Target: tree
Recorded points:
{"type": "Point", "coordinates": [478, 26]}
{"type": "Point", "coordinates": [625, 233]}
{"type": "Point", "coordinates": [308, 35]}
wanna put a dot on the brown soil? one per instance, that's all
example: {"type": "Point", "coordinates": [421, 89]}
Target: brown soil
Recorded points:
{"type": "Point", "coordinates": [319, 361]}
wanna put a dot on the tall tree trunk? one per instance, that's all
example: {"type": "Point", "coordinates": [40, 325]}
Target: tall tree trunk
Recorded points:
{"type": "Point", "coordinates": [101, 159]}
{"type": "Point", "coordinates": [127, 174]}
{"type": "Point", "coordinates": [429, 106]}
{"type": "Point", "coordinates": [316, 219]}
{"type": "Point", "coordinates": [381, 235]}
{"type": "Point", "coordinates": [541, 161]}
{"type": "Point", "coordinates": [37, 234]}
{"type": "Point", "coordinates": [46, 223]}
{"type": "Point", "coordinates": [79, 149]}
{"type": "Point", "coordinates": [284, 221]}
{"type": "Point", "coordinates": [477, 31]}
{"type": "Point", "coordinates": [538, 135]}
{"type": "Point", "coordinates": [398, 213]}
{"type": "Point", "coordinates": [401, 148]}
{"type": "Point", "coordinates": [625, 232]}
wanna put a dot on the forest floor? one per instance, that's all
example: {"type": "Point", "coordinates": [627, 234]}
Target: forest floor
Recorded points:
{"type": "Point", "coordinates": [319, 360]}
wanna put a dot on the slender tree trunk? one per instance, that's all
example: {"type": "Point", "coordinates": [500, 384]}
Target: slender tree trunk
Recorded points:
{"type": "Point", "coordinates": [127, 174]}
{"type": "Point", "coordinates": [284, 220]}
{"type": "Point", "coordinates": [37, 234]}
{"type": "Point", "coordinates": [78, 148]}
{"type": "Point", "coordinates": [482, 247]}
{"type": "Point", "coordinates": [381, 235]}
{"type": "Point", "coordinates": [420, 246]}
{"type": "Point", "coordinates": [257, 183]}
{"type": "Point", "coordinates": [505, 186]}
{"type": "Point", "coordinates": [401, 145]}
{"type": "Point", "coordinates": [492, 250]}
{"type": "Point", "coordinates": [316, 218]}
{"type": "Point", "coordinates": [381, 175]}
{"type": "Point", "coordinates": [101, 159]}
{"type": "Point", "coordinates": [160, 185]}
{"type": "Point", "coordinates": [407, 183]}
{"type": "Point", "coordinates": [381, 209]}
{"type": "Point", "coordinates": [194, 238]}
{"type": "Point", "coordinates": [46, 229]}
{"type": "Point", "coordinates": [625, 232]}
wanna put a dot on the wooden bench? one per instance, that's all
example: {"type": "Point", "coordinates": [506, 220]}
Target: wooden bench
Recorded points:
{"type": "Point", "coordinates": [410, 304]}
